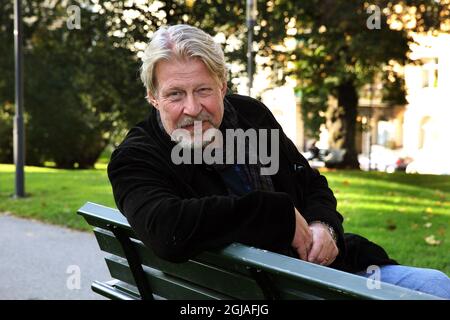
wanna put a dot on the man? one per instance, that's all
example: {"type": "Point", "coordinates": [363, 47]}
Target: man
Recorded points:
{"type": "Point", "coordinates": [180, 209]}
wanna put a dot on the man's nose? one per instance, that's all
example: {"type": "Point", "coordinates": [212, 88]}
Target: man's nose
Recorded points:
{"type": "Point", "coordinates": [192, 106]}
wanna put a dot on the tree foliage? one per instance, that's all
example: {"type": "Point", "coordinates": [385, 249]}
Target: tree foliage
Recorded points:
{"type": "Point", "coordinates": [337, 49]}
{"type": "Point", "coordinates": [82, 87]}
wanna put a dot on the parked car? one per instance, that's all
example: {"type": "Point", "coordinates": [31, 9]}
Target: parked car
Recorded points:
{"type": "Point", "coordinates": [324, 157]}
{"type": "Point", "coordinates": [384, 159]}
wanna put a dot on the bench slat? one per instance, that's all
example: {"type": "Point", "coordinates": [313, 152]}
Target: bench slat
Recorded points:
{"type": "Point", "coordinates": [111, 290]}
{"type": "Point", "coordinates": [297, 270]}
{"type": "Point", "coordinates": [162, 285]}
{"type": "Point", "coordinates": [231, 284]}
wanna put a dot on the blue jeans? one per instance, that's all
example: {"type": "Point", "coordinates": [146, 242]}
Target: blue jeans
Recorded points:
{"type": "Point", "coordinates": [420, 279]}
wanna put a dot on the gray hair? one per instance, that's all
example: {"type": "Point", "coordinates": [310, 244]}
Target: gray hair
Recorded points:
{"type": "Point", "coordinates": [181, 41]}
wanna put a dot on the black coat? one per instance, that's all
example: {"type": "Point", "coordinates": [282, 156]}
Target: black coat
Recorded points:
{"type": "Point", "coordinates": [182, 210]}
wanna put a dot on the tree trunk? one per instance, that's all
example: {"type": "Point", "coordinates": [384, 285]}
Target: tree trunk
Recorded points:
{"type": "Point", "coordinates": [341, 125]}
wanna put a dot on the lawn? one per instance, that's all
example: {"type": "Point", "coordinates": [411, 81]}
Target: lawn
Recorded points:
{"type": "Point", "coordinates": [55, 195]}
{"type": "Point", "coordinates": [409, 215]}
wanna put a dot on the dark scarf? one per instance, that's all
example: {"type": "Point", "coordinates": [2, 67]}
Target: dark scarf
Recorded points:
{"type": "Point", "coordinates": [250, 173]}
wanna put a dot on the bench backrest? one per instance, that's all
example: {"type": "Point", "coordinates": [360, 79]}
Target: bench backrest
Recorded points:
{"type": "Point", "coordinates": [235, 272]}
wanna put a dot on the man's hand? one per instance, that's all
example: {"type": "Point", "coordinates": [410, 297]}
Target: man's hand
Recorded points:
{"type": "Point", "coordinates": [302, 237]}
{"type": "Point", "coordinates": [324, 249]}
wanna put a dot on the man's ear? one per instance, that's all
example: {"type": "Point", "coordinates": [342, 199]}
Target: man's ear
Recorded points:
{"type": "Point", "coordinates": [152, 99]}
{"type": "Point", "coordinates": [224, 89]}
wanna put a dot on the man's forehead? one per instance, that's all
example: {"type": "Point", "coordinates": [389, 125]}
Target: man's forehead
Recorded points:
{"type": "Point", "coordinates": [178, 64]}
{"type": "Point", "coordinates": [182, 73]}
{"type": "Point", "coordinates": [183, 83]}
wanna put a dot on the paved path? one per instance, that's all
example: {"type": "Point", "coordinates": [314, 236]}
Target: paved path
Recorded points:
{"type": "Point", "coordinates": [40, 261]}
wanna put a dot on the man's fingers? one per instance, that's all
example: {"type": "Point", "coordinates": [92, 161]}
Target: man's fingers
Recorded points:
{"type": "Point", "coordinates": [302, 253]}
{"type": "Point", "coordinates": [314, 252]}
{"type": "Point", "coordinates": [327, 261]}
{"type": "Point", "coordinates": [327, 258]}
{"type": "Point", "coordinates": [309, 242]}
{"type": "Point", "coordinates": [334, 254]}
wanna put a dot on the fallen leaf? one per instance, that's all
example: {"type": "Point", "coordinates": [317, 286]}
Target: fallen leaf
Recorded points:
{"type": "Point", "coordinates": [432, 241]}
{"type": "Point", "coordinates": [440, 194]}
{"type": "Point", "coordinates": [441, 231]}
{"type": "Point", "coordinates": [428, 225]}
{"type": "Point", "coordinates": [414, 226]}
{"type": "Point", "coordinates": [391, 225]}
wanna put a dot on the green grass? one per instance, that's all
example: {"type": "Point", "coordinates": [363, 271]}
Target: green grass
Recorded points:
{"type": "Point", "coordinates": [55, 195]}
{"type": "Point", "coordinates": [397, 211]}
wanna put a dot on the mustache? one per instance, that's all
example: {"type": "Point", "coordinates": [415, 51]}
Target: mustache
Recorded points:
{"type": "Point", "coordinates": [189, 121]}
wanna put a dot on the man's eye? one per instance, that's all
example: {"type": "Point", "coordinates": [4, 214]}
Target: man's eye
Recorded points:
{"type": "Point", "coordinates": [174, 95]}
{"type": "Point", "coordinates": [205, 90]}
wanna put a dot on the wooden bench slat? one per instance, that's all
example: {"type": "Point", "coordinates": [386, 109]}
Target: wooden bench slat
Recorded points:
{"type": "Point", "coordinates": [288, 288]}
{"type": "Point", "coordinates": [225, 282]}
{"type": "Point", "coordinates": [111, 290]}
{"type": "Point", "coordinates": [105, 214]}
{"type": "Point", "coordinates": [302, 271]}
{"type": "Point", "coordinates": [231, 284]}
{"type": "Point", "coordinates": [162, 285]}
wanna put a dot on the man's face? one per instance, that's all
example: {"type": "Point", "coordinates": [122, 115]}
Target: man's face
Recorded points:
{"type": "Point", "coordinates": [187, 92]}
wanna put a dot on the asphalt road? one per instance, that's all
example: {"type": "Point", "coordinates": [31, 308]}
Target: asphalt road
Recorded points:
{"type": "Point", "coordinates": [46, 262]}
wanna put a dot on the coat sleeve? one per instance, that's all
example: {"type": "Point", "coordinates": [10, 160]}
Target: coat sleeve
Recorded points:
{"type": "Point", "coordinates": [319, 202]}
{"type": "Point", "coordinates": [177, 228]}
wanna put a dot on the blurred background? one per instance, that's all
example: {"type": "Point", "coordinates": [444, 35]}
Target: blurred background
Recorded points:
{"type": "Point", "coordinates": [361, 88]}
{"type": "Point", "coordinates": [364, 81]}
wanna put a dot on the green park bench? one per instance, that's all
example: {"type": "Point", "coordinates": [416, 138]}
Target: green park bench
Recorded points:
{"type": "Point", "coordinates": [235, 272]}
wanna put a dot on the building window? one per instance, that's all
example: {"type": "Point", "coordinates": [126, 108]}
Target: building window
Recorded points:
{"type": "Point", "coordinates": [430, 74]}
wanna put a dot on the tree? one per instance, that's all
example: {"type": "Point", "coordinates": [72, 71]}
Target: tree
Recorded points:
{"type": "Point", "coordinates": [335, 54]}
{"type": "Point", "coordinates": [340, 46]}
{"type": "Point", "coordinates": [82, 87]}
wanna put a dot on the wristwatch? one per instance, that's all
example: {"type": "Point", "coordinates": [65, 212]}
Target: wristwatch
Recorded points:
{"type": "Point", "coordinates": [330, 229]}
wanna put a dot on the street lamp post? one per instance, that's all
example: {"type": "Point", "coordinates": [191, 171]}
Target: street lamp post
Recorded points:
{"type": "Point", "coordinates": [251, 19]}
{"type": "Point", "coordinates": [19, 141]}
{"type": "Point", "coordinates": [370, 124]}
